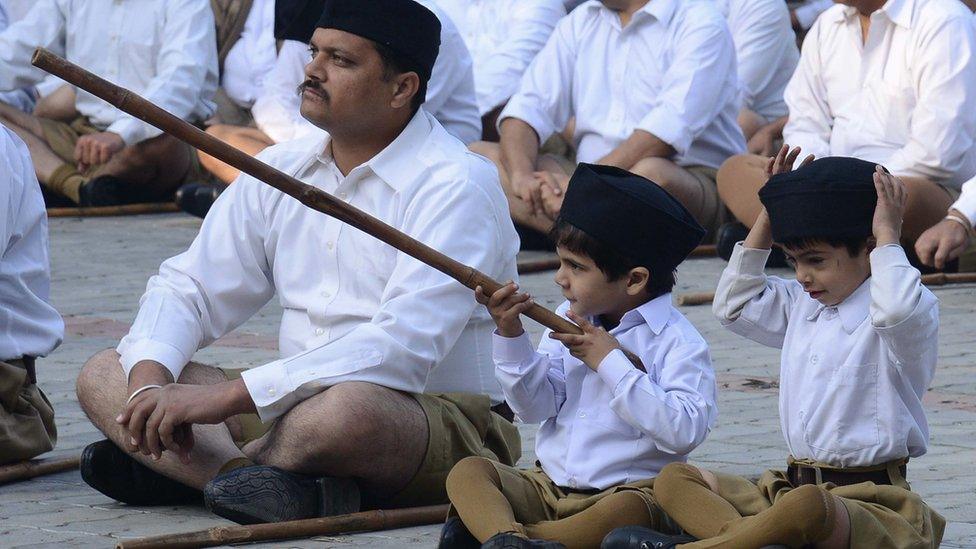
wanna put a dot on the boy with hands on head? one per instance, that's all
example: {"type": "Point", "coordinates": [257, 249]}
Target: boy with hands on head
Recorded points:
{"type": "Point", "coordinates": [608, 427]}
{"type": "Point", "coordinates": [858, 333]}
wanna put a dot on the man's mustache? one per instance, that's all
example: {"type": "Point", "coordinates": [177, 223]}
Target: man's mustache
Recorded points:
{"type": "Point", "coordinates": [312, 84]}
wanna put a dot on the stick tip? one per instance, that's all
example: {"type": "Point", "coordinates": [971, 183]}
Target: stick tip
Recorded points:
{"type": "Point", "coordinates": [38, 54]}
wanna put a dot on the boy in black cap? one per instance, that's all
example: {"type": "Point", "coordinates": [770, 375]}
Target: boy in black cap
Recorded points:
{"type": "Point", "coordinates": [606, 424]}
{"type": "Point", "coordinates": [858, 333]}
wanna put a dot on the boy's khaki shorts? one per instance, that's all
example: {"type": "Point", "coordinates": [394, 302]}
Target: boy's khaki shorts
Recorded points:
{"type": "Point", "coordinates": [460, 425]}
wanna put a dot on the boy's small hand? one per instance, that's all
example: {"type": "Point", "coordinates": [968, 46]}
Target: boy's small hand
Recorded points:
{"type": "Point", "coordinates": [505, 306]}
{"type": "Point", "coordinates": [890, 211]}
{"type": "Point", "coordinates": [591, 347]}
{"type": "Point", "coordinates": [784, 160]}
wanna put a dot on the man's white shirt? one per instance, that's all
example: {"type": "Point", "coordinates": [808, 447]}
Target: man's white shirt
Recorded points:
{"type": "Point", "coordinates": [29, 325]}
{"type": "Point", "coordinates": [450, 91]}
{"type": "Point", "coordinates": [252, 57]}
{"type": "Point", "coordinates": [852, 376]}
{"type": "Point", "coordinates": [355, 309]}
{"type": "Point", "coordinates": [164, 51]}
{"type": "Point", "coordinates": [670, 72]}
{"type": "Point", "coordinates": [766, 53]}
{"type": "Point", "coordinates": [905, 98]}
{"type": "Point", "coordinates": [503, 37]}
{"type": "Point", "coordinates": [618, 424]}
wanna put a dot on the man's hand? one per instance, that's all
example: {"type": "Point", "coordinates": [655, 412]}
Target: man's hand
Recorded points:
{"type": "Point", "coordinates": [591, 347]}
{"type": "Point", "coordinates": [529, 189]}
{"type": "Point", "coordinates": [505, 306]}
{"type": "Point", "coordinates": [97, 148]}
{"type": "Point", "coordinates": [784, 160]}
{"type": "Point", "coordinates": [943, 242]}
{"type": "Point", "coordinates": [552, 190]}
{"type": "Point", "coordinates": [162, 419]}
{"type": "Point", "coordinates": [890, 211]}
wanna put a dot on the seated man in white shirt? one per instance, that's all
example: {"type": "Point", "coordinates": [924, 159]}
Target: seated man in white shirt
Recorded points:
{"type": "Point", "coordinates": [31, 328]}
{"type": "Point", "coordinates": [766, 56]}
{"type": "Point", "coordinates": [503, 37]}
{"type": "Point", "coordinates": [368, 334]}
{"type": "Point", "coordinates": [951, 237]}
{"type": "Point", "coordinates": [889, 82]}
{"type": "Point", "coordinates": [164, 51]}
{"type": "Point", "coordinates": [653, 89]}
{"type": "Point", "coordinates": [450, 97]}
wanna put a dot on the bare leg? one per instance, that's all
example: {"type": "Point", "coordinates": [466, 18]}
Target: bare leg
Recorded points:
{"type": "Point", "coordinates": [750, 122]}
{"type": "Point", "coordinates": [250, 140]}
{"type": "Point", "coordinates": [59, 105]}
{"type": "Point", "coordinates": [927, 205]}
{"type": "Point", "coordinates": [29, 130]}
{"type": "Point", "coordinates": [682, 185]}
{"type": "Point", "coordinates": [360, 430]}
{"type": "Point", "coordinates": [102, 392]}
{"type": "Point", "coordinates": [519, 209]}
{"type": "Point", "coordinates": [739, 181]}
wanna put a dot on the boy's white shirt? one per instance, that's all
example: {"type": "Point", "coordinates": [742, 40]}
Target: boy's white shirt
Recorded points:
{"type": "Point", "coordinates": [852, 376]}
{"type": "Point", "coordinates": [616, 425]}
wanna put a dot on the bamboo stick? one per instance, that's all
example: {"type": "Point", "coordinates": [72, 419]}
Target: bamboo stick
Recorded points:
{"type": "Point", "coordinates": [933, 279]}
{"type": "Point", "coordinates": [35, 468]}
{"type": "Point", "coordinates": [367, 521]}
{"type": "Point", "coordinates": [102, 211]}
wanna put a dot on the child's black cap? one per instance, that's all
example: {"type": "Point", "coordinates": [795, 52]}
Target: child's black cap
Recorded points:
{"type": "Point", "coordinates": [631, 215]}
{"type": "Point", "coordinates": [833, 197]}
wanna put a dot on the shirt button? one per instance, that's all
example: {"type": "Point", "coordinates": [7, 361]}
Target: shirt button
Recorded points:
{"type": "Point", "coordinates": [271, 390]}
{"type": "Point", "coordinates": [343, 196]}
{"type": "Point", "coordinates": [814, 359]}
{"type": "Point", "coordinates": [582, 414]}
{"type": "Point", "coordinates": [326, 295]}
{"type": "Point", "coordinates": [329, 245]}
{"type": "Point", "coordinates": [319, 331]}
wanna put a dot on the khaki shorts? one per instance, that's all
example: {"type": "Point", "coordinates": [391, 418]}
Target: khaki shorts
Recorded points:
{"type": "Point", "coordinates": [881, 515]}
{"type": "Point", "coordinates": [714, 212]}
{"type": "Point", "coordinates": [460, 425]}
{"type": "Point", "coordinates": [26, 417]}
{"type": "Point", "coordinates": [63, 136]}
{"type": "Point", "coordinates": [535, 498]}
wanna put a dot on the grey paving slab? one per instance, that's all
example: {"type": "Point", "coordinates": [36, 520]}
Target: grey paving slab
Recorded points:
{"type": "Point", "coordinates": [100, 267]}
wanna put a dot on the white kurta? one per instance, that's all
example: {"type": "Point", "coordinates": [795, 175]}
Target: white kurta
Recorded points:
{"type": "Point", "coordinates": [671, 72]}
{"type": "Point", "coordinates": [618, 424]}
{"type": "Point", "coordinates": [904, 99]}
{"type": "Point", "coordinates": [252, 57]}
{"type": "Point", "coordinates": [503, 37]}
{"type": "Point", "coordinates": [29, 325]}
{"type": "Point", "coordinates": [852, 376]}
{"type": "Point", "coordinates": [164, 51]}
{"type": "Point", "coordinates": [355, 309]}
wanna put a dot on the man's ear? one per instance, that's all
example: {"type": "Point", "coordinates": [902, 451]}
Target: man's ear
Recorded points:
{"type": "Point", "coordinates": [637, 280]}
{"type": "Point", "coordinates": [406, 86]}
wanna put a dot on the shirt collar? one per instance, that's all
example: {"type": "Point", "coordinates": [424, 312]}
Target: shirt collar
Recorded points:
{"type": "Point", "coordinates": [655, 313]}
{"type": "Point", "coordinates": [662, 10]}
{"type": "Point", "coordinates": [898, 11]}
{"type": "Point", "coordinates": [396, 165]}
{"type": "Point", "coordinates": [853, 310]}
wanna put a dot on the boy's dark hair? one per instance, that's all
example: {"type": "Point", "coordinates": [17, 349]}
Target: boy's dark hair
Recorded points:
{"type": "Point", "coordinates": [854, 245]}
{"type": "Point", "coordinates": [611, 263]}
{"type": "Point", "coordinates": [394, 64]}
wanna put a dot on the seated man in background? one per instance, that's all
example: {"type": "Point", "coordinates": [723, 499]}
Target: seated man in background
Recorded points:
{"type": "Point", "coordinates": [904, 99]}
{"type": "Point", "coordinates": [503, 37]}
{"type": "Point", "coordinates": [653, 89]}
{"type": "Point", "coordinates": [163, 51]}
{"type": "Point", "coordinates": [951, 237]}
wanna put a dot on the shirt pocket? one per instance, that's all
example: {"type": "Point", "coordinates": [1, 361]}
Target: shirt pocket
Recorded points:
{"type": "Point", "coordinates": [846, 420]}
{"type": "Point", "coordinates": [893, 105]}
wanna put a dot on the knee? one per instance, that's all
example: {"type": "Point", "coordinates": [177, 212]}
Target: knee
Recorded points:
{"type": "Point", "coordinates": [654, 168]}
{"type": "Point", "coordinates": [99, 369]}
{"type": "Point", "coordinates": [486, 149]}
{"type": "Point", "coordinates": [672, 481]}
{"type": "Point", "coordinates": [471, 467]}
{"type": "Point", "coordinates": [809, 504]}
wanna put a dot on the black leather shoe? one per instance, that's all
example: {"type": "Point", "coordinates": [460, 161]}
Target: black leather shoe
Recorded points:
{"type": "Point", "coordinates": [727, 237]}
{"type": "Point", "coordinates": [455, 535]}
{"type": "Point", "coordinates": [261, 493]}
{"type": "Point", "coordinates": [512, 541]}
{"type": "Point", "coordinates": [639, 537]}
{"type": "Point", "coordinates": [113, 472]}
{"type": "Point", "coordinates": [531, 239]}
{"type": "Point", "coordinates": [108, 190]}
{"type": "Point", "coordinates": [197, 198]}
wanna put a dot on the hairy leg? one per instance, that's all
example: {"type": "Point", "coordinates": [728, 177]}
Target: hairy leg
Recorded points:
{"type": "Point", "coordinates": [927, 205]}
{"type": "Point", "coordinates": [676, 180]}
{"type": "Point", "coordinates": [102, 391]}
{"type": "Point", "coordinates": [58, 105]}
{"type": "Point", "coordinates": [520, 210]}
{"type": "Point", "coordinates": [739, 181]}
{"type": "Point", "coordinates": [360, 430]}
{"type": "Point", "coordinates": [250, 140]}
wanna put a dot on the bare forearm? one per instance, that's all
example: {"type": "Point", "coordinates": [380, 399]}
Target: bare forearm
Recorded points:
{"type": "Point", "coordinates": [519, 147]}
{"type": "Point", "coordinates": [639, 145]}
{"type": "Point", "coordinates": [760, 237]}
{"type": "Point", "coordinates": [148, 372]}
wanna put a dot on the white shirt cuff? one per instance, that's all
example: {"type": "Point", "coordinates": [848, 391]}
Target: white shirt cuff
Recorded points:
{"type": "Point", "coordinates": [887, 256]}
{"type": "Point", "coordinates": [169, 356]}
{"type": "Point", "coordinates": [966, 205]}
{"type": "Point", "coordinates": [270, 389]}
{"type": "Point", "coordinates": [614, 367]}
{"type": "Point", "coordinates": [511, 350]}
{"type": "Point", "coordinates": [520, 107]}
{"type": "Point", "coordinates": [748, 260]}
{"type": "Point", "coordinates": [668, 126]}
{"type": "Point", "coordinates": [132, 130]}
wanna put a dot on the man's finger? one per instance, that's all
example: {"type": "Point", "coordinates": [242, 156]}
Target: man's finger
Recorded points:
{"type": "Point", "coordinates": [186, 442]}
{"type": "Point", "coordinates": [581, 321]}
{"type": "Point", "coordinates": [941, 254]}
{"type": "Point", "coordinates": [569, 340]}
{"type": "Point", "coordinates": [810, 158]}
{"type": "Point", "coordinates": [791, 157]}
{"type": "Point", "coordinates": [153, 441]}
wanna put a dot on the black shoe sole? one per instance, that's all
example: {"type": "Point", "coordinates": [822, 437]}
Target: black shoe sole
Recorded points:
{"type": "Point", "coordinates": [261, 494]}
{"type": "Point", "coordinates": [113, 472]}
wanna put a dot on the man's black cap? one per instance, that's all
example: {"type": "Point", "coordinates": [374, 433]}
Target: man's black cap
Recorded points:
{"type": "Point", "coordinates": [404, 26]}
{"type": "Point", "coordinates": [832, 197]}
{"type": "Point", "coordinates": [631, 215]}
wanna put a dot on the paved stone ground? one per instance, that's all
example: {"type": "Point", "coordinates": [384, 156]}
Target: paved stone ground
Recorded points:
{"type": "Point", "coordinates": [100, 267]}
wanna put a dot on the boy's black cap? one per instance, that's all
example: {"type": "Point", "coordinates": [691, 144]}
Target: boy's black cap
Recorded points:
{"type": "Point", "coordinates": [404, 26]}
{"type": "Point", "coordinates": [833, 197]}
{"type": "Point", "coordinates": [632, 215]}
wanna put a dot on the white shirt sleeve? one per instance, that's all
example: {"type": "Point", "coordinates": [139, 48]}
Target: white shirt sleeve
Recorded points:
{"type": "Point", "coordinates": [758, 34]}
{"type": "Point", "coordinates": [752, 304]}
{"type": "Point", "coordinates": [44, 26]}
{"type": "Point", "coordinates": [544, 97]}
{"type": "Point", "coordinates": [810, 121]}
{"type": "Point", "coordinates": [277, 112]}
{"type": "Point", "coordinates": [966, 204]}
{"type": "Point", "coordinates": [421, 315]}
{"type": "Point", "coordinates": [808, 12]}
{"type": "Point", "coordinates": [943, 127]}
{"type": "Point", "coordinates": [208, 290]}
{"type": "Point", "coordinates": [678, 410]}
{"type": "Point", "coordinates": [533, 381]}
{"type": "Point", "coordinates": [497, 79]}
{"type": "Point", "coordinates": [188, 55]}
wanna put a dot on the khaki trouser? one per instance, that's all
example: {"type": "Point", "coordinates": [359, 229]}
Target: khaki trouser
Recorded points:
{"type": "Point", "coordinates": [26, 417]}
